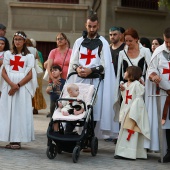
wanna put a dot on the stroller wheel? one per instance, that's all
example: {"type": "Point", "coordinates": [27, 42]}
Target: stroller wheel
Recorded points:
{"type": "Point", "coordinates": [76, 154]}
{"type": "Point", "coordinates": [94, 146]}
{"type": "Point", "coordinates": [51, 151]}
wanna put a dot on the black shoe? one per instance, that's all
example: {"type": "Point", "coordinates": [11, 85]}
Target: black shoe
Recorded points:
{"type": "Point", "coordinates": [115, 141]}
{"type": "Point", "coordinates": [35, 111]}
{"type": "Point", "coordinates": [49, 115]}
{"type": "Point", "coordinates": [118, 157]}
{"type": "Point", "coordinates": [166, 158]}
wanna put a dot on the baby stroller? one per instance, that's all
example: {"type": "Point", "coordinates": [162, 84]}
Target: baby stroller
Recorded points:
{"type": "Point", "coordinates": [74, 142]}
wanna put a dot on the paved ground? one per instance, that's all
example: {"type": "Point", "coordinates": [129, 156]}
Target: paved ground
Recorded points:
{"type": "Point", "coordinates": [32, 156]}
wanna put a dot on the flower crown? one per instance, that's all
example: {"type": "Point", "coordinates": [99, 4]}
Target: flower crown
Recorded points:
{"type": "Point", "coordinates": [19, 34]}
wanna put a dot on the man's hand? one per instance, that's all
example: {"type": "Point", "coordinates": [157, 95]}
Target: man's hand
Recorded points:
{"type": "Point", "coordinates": [156, 79]}
{"type": "Point", "coordinates": [83, 71]}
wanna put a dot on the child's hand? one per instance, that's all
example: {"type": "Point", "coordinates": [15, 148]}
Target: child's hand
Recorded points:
{"type": "Point", "coordinates": [60, 105]}
{"type": "Point", "coordinates": [163, 121]}
{"type": "Point", "coordinates": [65, 113]}
{"type": "Point", "coordinates": [48, 89]}
{"type": "Point", "coordinates": [142, 82]}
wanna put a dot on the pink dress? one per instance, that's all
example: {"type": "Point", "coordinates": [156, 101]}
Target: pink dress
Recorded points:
{"type": "Point", "coordinates": [58, 59]}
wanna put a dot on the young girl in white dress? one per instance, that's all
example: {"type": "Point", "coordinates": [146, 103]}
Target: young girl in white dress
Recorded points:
{"type": "Point", "coordinates": [17, 84]}
{"type": "Point", "coordinates": [133, 118]}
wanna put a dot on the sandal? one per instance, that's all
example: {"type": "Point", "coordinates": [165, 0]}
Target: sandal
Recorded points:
{"type": "Point", "coordinates": [13, 145]}
{"type": "Point", "coordinates": [8, 146]}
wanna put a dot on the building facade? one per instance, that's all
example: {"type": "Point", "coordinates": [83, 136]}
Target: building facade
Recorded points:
{"type": "Point", "coordinates": [43, 19]}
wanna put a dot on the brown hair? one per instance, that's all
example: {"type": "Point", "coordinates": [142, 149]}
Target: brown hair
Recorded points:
{"type": "Point", "coordinates": [28, 43]}
{"type": "Point", "coordinates": [134, 73]}
{"type": "Point", "coordinates": [167, 32]}
{"type": "Point", "coordinates": [65, 37]}
{"type": "Point", "coordinates": [132, 32]}
{"type": "Point", "coordinates": [93, 17]}
{"type": "Point", "coordinates": [24, 50]}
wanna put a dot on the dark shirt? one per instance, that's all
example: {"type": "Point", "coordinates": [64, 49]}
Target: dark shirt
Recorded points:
{"type": "Point", "coordinates": [115, 55]}
{"type": "Point", "coordinates": [56, 90]}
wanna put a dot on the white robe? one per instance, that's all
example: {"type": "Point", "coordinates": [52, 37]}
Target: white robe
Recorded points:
{"type": "Point", "coordinates": [16, 117]}
{"type": "Point", "coordinates": [133, 107]}
{"type": "Point", "coordinates": [157, 64]}
{"type": "Point", "coordinates": [103, 108]}
{"type": "Point", "coordinates": [143, 53]}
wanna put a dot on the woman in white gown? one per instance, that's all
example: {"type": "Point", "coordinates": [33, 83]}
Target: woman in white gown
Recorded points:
{"type": "Point", "coordinates": [18, 84]}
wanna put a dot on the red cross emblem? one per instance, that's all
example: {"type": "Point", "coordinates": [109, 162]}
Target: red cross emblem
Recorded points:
{"type": "Point", "coordinates": [127, 96]}
{"type": "Point", "coordinates": [15, 63]}
{"type": "Point", "coordinates": [89, 56]}
{"type": "Point", "coordinates": [167, 71]}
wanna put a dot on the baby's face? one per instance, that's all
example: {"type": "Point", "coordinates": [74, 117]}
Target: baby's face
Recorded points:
{"type": "Point", "coordinates": [75, 92]}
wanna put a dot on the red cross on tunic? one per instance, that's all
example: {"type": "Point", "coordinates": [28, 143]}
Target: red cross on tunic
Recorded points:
{"type": "Point", "coordinates": [131, 132]}
{"type": "Point", "coordinates": [167, 71]}
{"type": "Point", "coordinates": [127, 96]}
{"type": "Point", "coordinates": [89, 56]}
{"type": "Point", "coordinates": [16, 63]}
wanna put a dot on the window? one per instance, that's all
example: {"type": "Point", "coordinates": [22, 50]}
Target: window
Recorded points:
{"type": "Point", "coordinates": [54, 1]}
{"type": "Point", "coordinates": [144, 4]}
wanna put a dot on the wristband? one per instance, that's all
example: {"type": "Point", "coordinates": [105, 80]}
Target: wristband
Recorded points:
{"type": "Point", "coordinates": [19, 85]}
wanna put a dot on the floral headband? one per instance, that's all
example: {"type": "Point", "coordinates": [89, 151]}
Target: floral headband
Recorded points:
{"type": "Point", "coordinates": [19, 34]}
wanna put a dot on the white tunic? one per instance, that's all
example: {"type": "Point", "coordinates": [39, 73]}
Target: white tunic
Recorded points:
{"type": "Point", "coordinates": [133, 108]}
{"type": "Point", "coordinates": [16, 117]}
{"type": "Point", "coordinates": [103, 108]}
{"type": "Point", "coordinates": [144, 53]}
{"type": "Point", "coordinates": [158, 64]}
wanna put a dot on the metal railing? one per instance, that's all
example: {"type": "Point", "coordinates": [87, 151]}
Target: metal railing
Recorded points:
{"type": "Point", "coordinates": [144, 4]}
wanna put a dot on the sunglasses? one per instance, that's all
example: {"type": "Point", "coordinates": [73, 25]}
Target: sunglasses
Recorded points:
{"type": "Point", "coordinates": [60, 39]}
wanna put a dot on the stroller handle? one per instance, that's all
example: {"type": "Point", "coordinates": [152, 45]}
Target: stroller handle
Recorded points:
{"type": "Point", "coordinates": [93, 75]}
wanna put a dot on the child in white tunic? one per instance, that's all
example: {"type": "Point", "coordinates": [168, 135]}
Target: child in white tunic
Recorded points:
{"type": "Point", "coordinates": [17, 84]}
{"type": "Point", "coordinates": [133, 117]}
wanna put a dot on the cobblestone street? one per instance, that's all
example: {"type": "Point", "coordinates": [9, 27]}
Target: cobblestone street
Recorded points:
{"type": "Point", "coordinates": [33, 154]}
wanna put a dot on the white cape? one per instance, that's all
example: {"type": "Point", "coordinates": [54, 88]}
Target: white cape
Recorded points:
{"type": "Point", "coordinates": [103, 109]}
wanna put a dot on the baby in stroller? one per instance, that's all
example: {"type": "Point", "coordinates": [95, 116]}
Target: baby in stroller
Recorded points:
{"type": "Point", "coordinates": [71, 107]}
{"type": "Point", "coordinates": [74, 120]}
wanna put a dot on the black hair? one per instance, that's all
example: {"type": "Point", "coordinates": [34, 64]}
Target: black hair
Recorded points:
{"type": "Point", "coordinates": [122, 30]}
{"type": "Point", "coordinates": [160, 40]}
{"type": "Point", "coordinates": [7, 46]}
{"type": "Point", "coordinates": [145, 42]}
{"type": "Point", "coordinates": [54, 67]}
{"type": "Point", "coordinates": [93, 17]}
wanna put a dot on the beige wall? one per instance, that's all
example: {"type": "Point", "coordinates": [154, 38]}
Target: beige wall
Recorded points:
{"type": "Point", "coordinates": [43, 21]}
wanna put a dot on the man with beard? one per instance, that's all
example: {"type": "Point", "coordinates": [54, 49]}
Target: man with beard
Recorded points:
{"type": "Point", "coordinates": [116, 45]}
{"type": "Point", "coordinates": [91, 54]}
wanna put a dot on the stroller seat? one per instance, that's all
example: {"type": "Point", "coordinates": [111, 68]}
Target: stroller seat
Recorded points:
{"type": "Point", "coordinates": [86, 92]}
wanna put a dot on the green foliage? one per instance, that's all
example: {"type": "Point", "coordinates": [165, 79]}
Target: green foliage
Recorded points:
{"type": "Point", "coordinates": [165, 3]}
